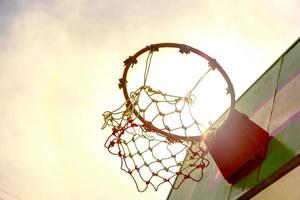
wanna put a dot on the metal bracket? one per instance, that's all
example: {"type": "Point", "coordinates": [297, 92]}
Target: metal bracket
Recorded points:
{"type": "Point", "coordinates": [130, 60]}
{"type": "Point", "coordinates": [184, 49]}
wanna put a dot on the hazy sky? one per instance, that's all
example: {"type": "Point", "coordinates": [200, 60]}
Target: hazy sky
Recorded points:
{"type": "Point", "coordinates": [59, 67]}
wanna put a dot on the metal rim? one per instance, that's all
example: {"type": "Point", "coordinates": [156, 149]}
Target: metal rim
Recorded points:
{"type": "Point", "coordinates": [183, 49]}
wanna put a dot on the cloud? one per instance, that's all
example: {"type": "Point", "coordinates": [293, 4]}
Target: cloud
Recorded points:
{"type": "Point", "coordinates": [59, 66]}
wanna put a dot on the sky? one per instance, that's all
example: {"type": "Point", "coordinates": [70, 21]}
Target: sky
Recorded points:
{"type": "Point", "coordinates": [60, 62]}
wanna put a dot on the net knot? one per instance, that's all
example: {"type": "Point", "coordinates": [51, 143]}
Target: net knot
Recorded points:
{"type": "Point", "coordinates": [154, 174]}
{"type": "Point", "coordinates": [201, 166]}
{"type": "Point", "coordinates": [111, 144]}
{"type": "Point", "coordinates": [132, 123]}
{"type": "Point", "coordinates": [190, 99]}
{"type": "Point", "coordinates": [187, 176]}
{"type": "Point", "coordinates": [114, 131]}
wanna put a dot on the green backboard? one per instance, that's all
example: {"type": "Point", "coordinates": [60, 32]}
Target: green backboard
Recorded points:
{"type": "Point", "coordinates": [272, 102]}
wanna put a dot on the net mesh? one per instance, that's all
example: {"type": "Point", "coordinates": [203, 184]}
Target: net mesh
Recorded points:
{"type": "Point", "coordinates": [152, 158]}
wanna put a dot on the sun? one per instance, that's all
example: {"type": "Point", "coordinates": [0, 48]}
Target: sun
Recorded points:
{"type": "Point", "coordinates": [185, 75]}
{"type": "Point", "coordinates": [172, 98]}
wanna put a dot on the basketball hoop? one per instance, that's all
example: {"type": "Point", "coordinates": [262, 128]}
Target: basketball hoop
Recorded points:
{"type": "Point", "coordinates": [152, 151]}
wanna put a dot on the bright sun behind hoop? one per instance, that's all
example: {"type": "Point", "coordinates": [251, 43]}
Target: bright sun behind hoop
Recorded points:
{"type": "Point", "coordinates": [185, 49]}
{"type": "Point", "coordinates": [153, 148]}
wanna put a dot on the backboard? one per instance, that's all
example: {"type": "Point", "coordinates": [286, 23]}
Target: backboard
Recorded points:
{"type": "Point", "coordinates": [272, 102]}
